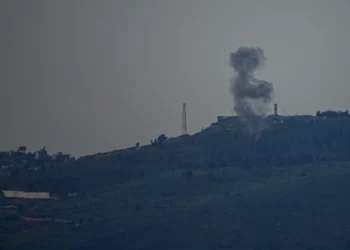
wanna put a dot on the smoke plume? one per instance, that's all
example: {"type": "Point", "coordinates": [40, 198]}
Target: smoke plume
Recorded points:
{"type": "Point", "coordinates": [251, 96]}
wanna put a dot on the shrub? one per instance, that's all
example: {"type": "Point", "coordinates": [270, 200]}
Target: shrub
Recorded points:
{"type": "Point", "coordinates": [189, 173]}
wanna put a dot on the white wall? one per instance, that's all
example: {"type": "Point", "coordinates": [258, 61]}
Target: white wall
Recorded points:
{"type": "Point", "coordinates": [26, 195]}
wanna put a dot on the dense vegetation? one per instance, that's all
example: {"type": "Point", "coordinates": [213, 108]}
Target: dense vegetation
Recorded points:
{"type": "Point", "coordinates": [332, 113]}
{"type": "Point", "coordinates": [219, 189]}
{"type": "Point", "coordinates": [293, 142]}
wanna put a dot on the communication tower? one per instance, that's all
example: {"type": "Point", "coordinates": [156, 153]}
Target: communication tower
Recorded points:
{"type": "Point", "coordinates": [275, 109]}
{"type": "Point", "coordinates": [184, 120]}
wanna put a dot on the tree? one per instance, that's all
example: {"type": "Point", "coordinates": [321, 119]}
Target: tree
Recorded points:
{"type": "Point", "coordinates": [189, 174]}
{"type": "Point", "coordinates": [162, 138]}
{"type": "Point", "coordinates": [154, 142]}
{"type": "Point", "coordinates": [14, 173]}
{"type": "Point", "coordinates": [20, 208]}
{"type": "Point", "coordinates": [2, 198]}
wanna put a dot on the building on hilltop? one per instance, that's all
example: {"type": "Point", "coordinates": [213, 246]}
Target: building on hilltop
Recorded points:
{"type": "Point", "coordinates": [221, 117]}
{"type": "Point", "coordinates": [61, 158]}
{"type": "Point", "coordinates": [22, 149]}
{"type": "Point", "coordinates": [42, 154]}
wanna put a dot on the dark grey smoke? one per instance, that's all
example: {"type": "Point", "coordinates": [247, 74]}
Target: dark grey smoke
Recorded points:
{"type": "Point", "coordinates": [251, 96]}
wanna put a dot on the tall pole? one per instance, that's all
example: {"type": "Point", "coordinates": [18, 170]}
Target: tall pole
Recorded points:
{"type": "Point", "coordinates": [184, 120]}
{"type": "Point", "coordinates": [275, 109]}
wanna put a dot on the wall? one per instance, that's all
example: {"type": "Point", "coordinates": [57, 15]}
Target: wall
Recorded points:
{"type": "Point", "coordinates": [13, 194]}
{"type": "Point", "coordinates": [26, 195]}
{"type": "Point", "coordinates": [36, 195]}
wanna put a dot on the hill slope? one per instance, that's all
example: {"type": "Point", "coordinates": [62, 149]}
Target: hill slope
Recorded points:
{"type": "Point", "coordinates": [301, 207]}
{"type": "Point", "coordinates": [218, 189]}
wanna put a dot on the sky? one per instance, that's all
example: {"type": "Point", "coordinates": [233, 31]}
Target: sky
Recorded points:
{"type": "Point", "coordinates": [90, 76]}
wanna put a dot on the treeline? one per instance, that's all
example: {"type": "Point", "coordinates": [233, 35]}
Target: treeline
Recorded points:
{"type": "Point", "coordinates": [293, 142]}
{"type": "Point", "coordinates": [331, 113]}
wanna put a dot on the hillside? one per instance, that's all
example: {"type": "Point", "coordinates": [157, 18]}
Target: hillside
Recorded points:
{"type": "Point", "coordinates": [218, 189]}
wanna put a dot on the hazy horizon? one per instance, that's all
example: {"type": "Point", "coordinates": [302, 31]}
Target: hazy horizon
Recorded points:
{"type": "Point", "coordinates": [91, 76]}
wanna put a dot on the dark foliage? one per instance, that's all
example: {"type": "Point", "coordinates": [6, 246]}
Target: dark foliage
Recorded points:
{"type": "Point", "coordinates": [218, 189]}
{"type": "Point", "coordinates": [162, 138]}
{"type": "Point", "coordinates": [20, 208]}
{"type": "Point", "coordinates": [332, 114]}
{"type": "Point", "coordinates": [296, 141]}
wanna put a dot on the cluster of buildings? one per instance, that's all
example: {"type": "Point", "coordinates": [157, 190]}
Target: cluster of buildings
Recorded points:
{"type": "Point", "coordinates": [32, 161]}
{"type": "Point", "coordinates": [277, 118]}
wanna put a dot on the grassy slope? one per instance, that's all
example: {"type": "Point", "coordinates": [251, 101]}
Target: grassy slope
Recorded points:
{"type": "Point", "coordinates": [286, 208]}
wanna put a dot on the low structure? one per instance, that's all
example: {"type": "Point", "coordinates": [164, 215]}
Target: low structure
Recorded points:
{"type": "Point", "coordinates": [26, 195]}
{"type": "Point", "coordinates": [62, 158]}
{"type": "Point", "coordinates": [22, 149]}
{"type": "Point", "coordinates": [4, 154]}
{"type": "Point", "coordinates": [222, 117]}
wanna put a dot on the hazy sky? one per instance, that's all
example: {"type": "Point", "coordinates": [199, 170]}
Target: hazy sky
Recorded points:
{"type": "Point", "coordinates": [92, 76]}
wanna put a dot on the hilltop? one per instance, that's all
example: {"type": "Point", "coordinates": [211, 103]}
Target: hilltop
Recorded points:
{"type": "Point", "coordinates": [221, 188]}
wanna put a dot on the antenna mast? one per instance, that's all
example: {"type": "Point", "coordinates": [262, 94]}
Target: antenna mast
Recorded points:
{"type": "Point", "coordinates": [184, 120]}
